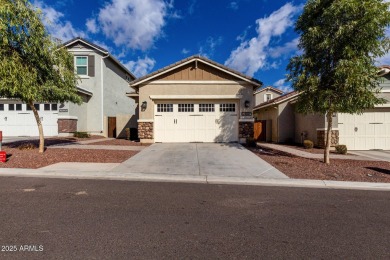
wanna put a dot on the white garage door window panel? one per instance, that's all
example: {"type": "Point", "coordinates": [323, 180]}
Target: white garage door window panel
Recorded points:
{"type": "Point", "coordinates": [370, 130]}
{"type": "Point", "coordinates": [213, 126]}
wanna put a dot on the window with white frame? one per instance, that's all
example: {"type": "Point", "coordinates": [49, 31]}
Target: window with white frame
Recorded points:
{"type": "Point", "coordinates": [81, 64]}
{"type": "Point", "coordinates": [229, 107]}
{"type": "Point", "coordinates": [164, 107]}
{"type": "Point", "coordinates": [267, 97]}
{"type": "Point", "coordinates": [186, 107]}
{"type": "Point", "coordinates": [206, 107]}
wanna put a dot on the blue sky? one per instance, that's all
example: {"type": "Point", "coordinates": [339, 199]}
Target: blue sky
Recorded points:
{"type": "Point", "coordinates": [255, 37]}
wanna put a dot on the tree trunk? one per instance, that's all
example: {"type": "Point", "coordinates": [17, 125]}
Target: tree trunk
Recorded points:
{"type": "Point", "coordinates": [40, 128]}
{"type": "Point", "coordinates": [328, 137]}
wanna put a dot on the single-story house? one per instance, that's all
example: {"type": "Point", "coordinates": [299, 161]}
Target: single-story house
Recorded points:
{"type": "Point", "coordinates": [370, 130]}
{"type": "Point", "coordinates": [106, 110]}
{"type": "Point", "coordinates": [195, 100]}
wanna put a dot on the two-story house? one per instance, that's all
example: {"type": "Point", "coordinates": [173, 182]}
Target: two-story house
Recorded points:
{"type": "Point", "coordinates": [105, 110]}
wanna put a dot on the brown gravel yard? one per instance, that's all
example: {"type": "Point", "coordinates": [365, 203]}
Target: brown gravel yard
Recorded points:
{"type": "Point", "coordinates": [33, 159]}
{"type": "Point", "coordinates": [338, 170]}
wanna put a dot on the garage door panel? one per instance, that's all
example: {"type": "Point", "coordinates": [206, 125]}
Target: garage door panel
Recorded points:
{"type": "Point", "coordinates": [370, 130]}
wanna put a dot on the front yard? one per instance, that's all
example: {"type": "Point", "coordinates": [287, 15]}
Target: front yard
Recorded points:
{"type": "Point", "coordinates": [338, 170]}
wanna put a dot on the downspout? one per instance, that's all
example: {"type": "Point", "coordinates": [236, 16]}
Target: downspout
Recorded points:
{"type": "Point", "coordinates": [102, 91]}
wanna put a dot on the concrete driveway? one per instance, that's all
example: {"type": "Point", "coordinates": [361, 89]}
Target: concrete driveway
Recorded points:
{"type": "Point", "coordinates": [204, 159]}
{"type": "Point", "coordinates": [380, 155]}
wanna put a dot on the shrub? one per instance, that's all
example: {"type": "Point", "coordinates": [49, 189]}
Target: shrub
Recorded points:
{"type": "Point", "coordinates": [308, 144]}
{"type": "Point", "coordinates": [81, 134]}
{"type": "Point", "coordinates": [341, 149]}
{"type": "Point", "coordinates": [251, 142]}
{"type": "Point", "coordinates": [27, 146]}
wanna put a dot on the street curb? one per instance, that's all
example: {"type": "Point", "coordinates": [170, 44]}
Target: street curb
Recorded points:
{"type": "Point", "coordinates": [145, 177]}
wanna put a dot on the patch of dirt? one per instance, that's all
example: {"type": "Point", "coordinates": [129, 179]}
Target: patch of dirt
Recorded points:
{"type": "Point", "coordinates": [33, 159]}
{"type": "Point", "coordinates": [338, 170]}
{"type": "Point", "coordinates": [314, 150]}
{"type": "Point", "coordinates": [51, 141]}
{"type": "Point", "coordinates": [121, 142]}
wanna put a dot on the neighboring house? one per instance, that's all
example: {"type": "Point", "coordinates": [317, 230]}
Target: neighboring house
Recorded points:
{"type": "Point", "coordinates": [265, 94]}
{"type": "Point", "coordinates": [105, 109]}
{"type": "Point", "coordinates": [370, 130]}
{"type": "Point", "coordinates": [195, 100]}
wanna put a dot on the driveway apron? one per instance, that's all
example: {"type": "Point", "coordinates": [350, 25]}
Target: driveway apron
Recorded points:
{"type": "Point", "coordinates": [205, 159]}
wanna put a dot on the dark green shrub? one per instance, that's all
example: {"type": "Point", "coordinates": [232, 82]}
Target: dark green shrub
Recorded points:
{"type": "Point", "coordinates": [341, 149]}
{"type": "Point", "coordinates": [251, 142]}
{"type": "Point", "coordinates": [308, 144]}
{"type": "Point", "coordinates": [81, 134]}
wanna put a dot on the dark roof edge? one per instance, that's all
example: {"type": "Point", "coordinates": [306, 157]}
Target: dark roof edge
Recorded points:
{"type": "Point", "coordinates": [277, 100]}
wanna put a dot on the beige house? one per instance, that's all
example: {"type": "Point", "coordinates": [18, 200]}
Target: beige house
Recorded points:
{"type": "Point", "coordinates": [195, 100]}
{"type": "Point", "coordinates": [262, 95]}
{"type": "Point", "coordinates": [370, 130]}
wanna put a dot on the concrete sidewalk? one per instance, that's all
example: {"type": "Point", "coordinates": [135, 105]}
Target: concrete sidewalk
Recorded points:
{"type": "Point", "coordinates": [105, 173]}
{"type": "Point", "coordinates": [300, 153]}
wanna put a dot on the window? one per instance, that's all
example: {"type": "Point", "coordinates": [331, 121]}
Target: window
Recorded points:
{"type": "Point", "coordinates": [36, 106]}
{"type": "Point", "coordinates": [206, 107]}
{"type": "Point", "coordinates": [1, 107]}
{"type": "Point", "coordinates": [11, 107]}
{"type": "Point", "coordinates": [268, 97]}
{"type": "Point", "coordinates": [18, 107]}
{"type": "Point", "coordinates": [186, 107]}
{"type": "Point", "coordinates": [230, 107]}
{"type": "Point", "coordinates": [47, 107]}
{"type": "Point", "coordinates": [164, 107]}
{"type": "Point", "coordinates": [81, 65]}
{"type": "Point", "coordinates": [54, 107]}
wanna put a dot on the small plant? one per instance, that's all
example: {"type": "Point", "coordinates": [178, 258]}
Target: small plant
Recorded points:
{"type": "Point", "coordinates": [27, 146]}
{"type": "Point", "coordinates": [81, 134]}
{"type": "Point", "coordinates": [341, 149]}
{"type": "Point", "coordinates": [308, 144]}
{"type": "Point", "coordinates": [127, 133]}
{"type": "Point", "coordinates": [251, 142]}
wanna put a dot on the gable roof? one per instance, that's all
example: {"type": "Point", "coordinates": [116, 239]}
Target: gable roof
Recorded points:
{"type": "Point", "coordinates": [384, 69]}
{"type": "Point", "coordinates": [268, 88]}
{"type": "Point", "coordinates": [278, 100]}
{"type": "Point", "coordinates": [100, 49]}
{"type": "Point", "coordinates": [189, 60]}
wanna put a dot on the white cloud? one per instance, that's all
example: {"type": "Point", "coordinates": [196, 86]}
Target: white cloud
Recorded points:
{"type": "Point", "coordinates": [135, 24]}
{"type": "Point", "coordinates": [283, 86]}
{"type": "Point", "coordinates": [141, 66]}
{"type": "Point", "coordinates": [233, 5]}
{"type": "Point", "coordinates": [191, 7]}
{"type": "Point", "coordinates": [92, 26]}
{"type": "Point", "coordinates": [252, 54]}
{"type": "Point", "coordinates": [185, 51]}
{"type": "Point", "coordinates": [287, 48]}
{"type": "Point", "coordinates": [208, 48]}
{"type": "Point", "coordinates": [385, 60]}
{"type": "Point", "coordinates": [59, 29]}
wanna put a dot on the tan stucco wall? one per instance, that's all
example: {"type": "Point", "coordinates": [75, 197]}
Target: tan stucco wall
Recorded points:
{"type": "Point", "coordinates": [309, 124]}
{"type": "Point", "coordinates": [286, 123]}
{"type": "Point", "coordinates": [199, 89]}
{"type": "Point", "coordinates": [259, 97]}
{"type": "Point", "coordinates": [271, 115]}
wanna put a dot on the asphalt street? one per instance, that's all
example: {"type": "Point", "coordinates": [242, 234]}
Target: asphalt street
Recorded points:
{"type": "Point", "coordinates": [92, 219]}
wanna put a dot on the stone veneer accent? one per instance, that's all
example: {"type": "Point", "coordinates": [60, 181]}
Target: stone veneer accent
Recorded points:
{"type": "Point", "coordinates": [245, 130]}
{"type": "Point", "coordinates": [145, 130]}
{"type": "Point", "coordinates": [67, 125]}
{"type": "Point", "coordinates": [321, 137]}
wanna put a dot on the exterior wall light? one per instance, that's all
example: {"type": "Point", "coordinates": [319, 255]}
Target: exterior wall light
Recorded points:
{"type": "Point", "coordinates": [246, 103]}
{"type": "Point", "coordinates": [144, 105]}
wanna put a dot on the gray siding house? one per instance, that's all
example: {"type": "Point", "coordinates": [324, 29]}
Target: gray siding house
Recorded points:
{"type": "Point", "coordinates": [106, 110]}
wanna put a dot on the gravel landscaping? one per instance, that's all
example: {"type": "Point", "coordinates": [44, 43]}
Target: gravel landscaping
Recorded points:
{"type": "Point", "coordinates": [339, 169]}
{"type": "Point", "coordinates": [33, 159]}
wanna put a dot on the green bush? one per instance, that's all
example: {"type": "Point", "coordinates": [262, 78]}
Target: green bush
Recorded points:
{"type": "Point", "coordinates": [251, 142]}
{"type": "Point", "coordinates": [341, 149]}
{"type": "Point", "coordinates": [308, 144]}
{"type": "Point", "coordinates": [81, 134]}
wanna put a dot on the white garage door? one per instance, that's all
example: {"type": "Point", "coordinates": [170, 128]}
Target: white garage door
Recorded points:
{"type": "Point", "coordinates": [196, 122]}
{"type": "Point", "coordinates": [371, 130]}
{"type": "Point", "coordinates": [16, 120]}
